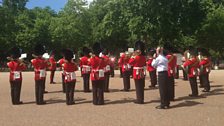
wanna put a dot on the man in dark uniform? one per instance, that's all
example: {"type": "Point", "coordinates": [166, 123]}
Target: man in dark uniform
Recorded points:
{"type": "Point", "coordinates": [138, 61]}
{"type": "Point", "coordinates": [191, 65]}
{"type": "Point", "coordinates": [40, 65]}
{"type": "Point", "coordinates": [97, 75]}
{"type": "Point", "coordinates": [52, 67]}
{"type": "Point", "coordinates": [61, 62]}
{"type": "Point", "coordinates": [151, 69]}
{"type": "Point", "coordinates": [106, 69]}
{"type": "Point", "coordinates": [16, 66]}
{"type": "Point", "coordinates": [205, 69]}
{"type": "Point", "coordinates": [126, 67]}
{"type": "Point", "coordinates": [85, 68]}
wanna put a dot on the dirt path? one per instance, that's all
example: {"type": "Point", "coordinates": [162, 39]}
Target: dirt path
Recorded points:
{"type": "Point", "coordinates": [119, 110]}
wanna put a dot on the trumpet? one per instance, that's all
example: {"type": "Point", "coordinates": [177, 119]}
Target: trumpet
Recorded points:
{"type": "Point", "coordinates": [21, 61]}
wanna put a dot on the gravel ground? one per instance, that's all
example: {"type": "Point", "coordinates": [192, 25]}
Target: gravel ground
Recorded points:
{"type": "Point", "coordinates": [119, 109]}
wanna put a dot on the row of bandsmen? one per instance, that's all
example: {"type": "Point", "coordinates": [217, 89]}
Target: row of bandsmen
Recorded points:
{"type": "Point", "coordinates": [96, 66]}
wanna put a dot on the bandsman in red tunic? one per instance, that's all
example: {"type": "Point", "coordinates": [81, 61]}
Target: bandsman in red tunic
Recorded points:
{"type": "Point", "coordinates": [151, 69]}
{"type": "Point", "coordinates": [171, 73]}
{"type": "Point", "coordinates": [70, 76]}
{"type": "Point", "coordinates": [85, 69]}
{"type": "Point", "coordinates": [16, 67]}
{"type": "Point", "coordinates": [40, 65]}
{"type": "Point", "coordinates": [191, 66]}
{"type": "Point", "coordinates": [126, 68]}
{"type": "Point", "coordinates": [61, 62]}
{"type": "Point", "coordinates": [138, 61]}
{"type": "Point", "coordinates": [97, 75]}
{"type": "Point", "coordinates": [107, 69]}
{"type": "Point", "coordinates": [53, 66]}
{"type": "Point", "coordinates": [120, 64]}
{"type": "Point", "coordinates": [205, 69]}
{"type": "Point", "coordinates": [112, 65]}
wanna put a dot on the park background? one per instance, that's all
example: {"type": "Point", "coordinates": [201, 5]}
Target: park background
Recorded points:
{"type": "Point", "coordinates": [117, 24]}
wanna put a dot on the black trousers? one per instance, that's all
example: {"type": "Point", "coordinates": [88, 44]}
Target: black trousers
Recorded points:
{"type": "Point", "coordinates": [164, 88]}
{"type": "Point", "coordinates": [126, 80]}
{"type": "Point", "coordinates": [185, 75]}
{"type": "Point", "coordinates": [107, 81]}
{"type": "Point", "coordinates": [194, 85]}
{"type": "Point", "coordinates": [153, 78]}
{"type": "Point", "coordinates": [177, 73]}
{"type": "Point", "coordinates": [205, 81]}
{"type": "Point", "coordinates": [39, 91]}
{"type": "Point", "coordinates": [63, 83]}
{"type": "Point", "coordinates": [201, 81]}
{"type": "Point", "coordinates": [112, 71]}
{"type": "Point", "coordinates": [52, 76]}
{"type": "Point", "coordinates": [98, 92]}
{"type": "Point", "coordinates": [86, 82]}
{"type": "Point", "coordinates": [171, 82]}
{"type": "Point", "coordinates": [121, 74]}
{"type": "Point", "coordinates": [139, 85]}
{"type": "Point", "coordinates": [131, 72]}
{"type": "Point", "coordinates": [70, 88]}
{"type": "Point", "coordinates": [15, 91]}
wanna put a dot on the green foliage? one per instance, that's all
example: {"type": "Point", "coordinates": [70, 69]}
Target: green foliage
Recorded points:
{"type": "Point", "coordinates": [117, 24]}
{"type": "Point", "coordinates": [211, 33]}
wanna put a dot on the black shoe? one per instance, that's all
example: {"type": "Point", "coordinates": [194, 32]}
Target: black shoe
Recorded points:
{"type": "Point", "coordinates": [162, 107]}
{"type": "Point", "coordinates": [136, 102]}
{"type": "Point", "coordinates": [87, 91]}
{"type": "Point", "coordinates": [172, 99]}
{"type": "Point", "coordinates": [107, 91]}
{"type": "Point", "coordinates": [125, 90]}
{"type": "Point", "coordinates": [18, 103]}
{"type": "Point", "coordinates": [41, 103]}
{"type": "Point", "coordinates": [193, 95]}
{"type": "Point", "coordinates": [152, 86]}
{"type": "Point", "coordinates": [201, 86]}
{"type": "Point", "coordinates": [71, 103]}
{"type": "Point", "coordinates": [205, 90]}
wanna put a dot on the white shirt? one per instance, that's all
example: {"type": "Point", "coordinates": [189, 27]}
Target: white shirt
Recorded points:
{"type": "Point", "coordinates": [160, 63]}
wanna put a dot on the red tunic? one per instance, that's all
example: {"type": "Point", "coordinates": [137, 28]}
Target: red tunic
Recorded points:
{"type": "Point", "coordinates": [150, 68]}
{"type": "Point", "coordinates": [61, 62]}
{"type": "Point", "coordinates": [69, 71]}
{"type": "Point", "coordinates": [40, 65]}
{"type": "Point", "coordinates": [86, 69]}
{"type": "Point", "coordinates": [112, 61]}
{"type": "Point", "coordinates": [15, 70]}
{"type": "Point", "coordinates": [171, 65]}
{"type": "Point", "coordinates": [204, 65]}
{"type": "Point", "coordinates": [107, 61]}
{"type": "Point", "coordinates": [97, 64]}
{"type": "Point", "coordinates": [138, 63]}
{"type": "Point", "coordinates": [193, 66]}
{"type": "Point", "coordinates": [125, 65]}
{"type": "Point", "coordinates": [120, 60]}
{"type": "Point", "coordinates": [53, 64]}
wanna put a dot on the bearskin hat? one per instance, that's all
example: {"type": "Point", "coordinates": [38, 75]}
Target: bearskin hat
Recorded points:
{"type": "Point", "coordinates": [105, 52]}
{"type": "Point", "coordinates": [193, 52]}
{"type": "Point", "coordinates": [39, 50]}
{"type": "Point", "coordinates": [15, 52]}
{"type": "Point", "coordinates": [85, 50]}
{"type": "Point", "coordinates": [68, 54]}
{"type": "Point", "coordinates": [139, 45]}
{"type": "Point", "coordinates": [97, 48]}
{"type": "Point", "coordinates": [204, 52]}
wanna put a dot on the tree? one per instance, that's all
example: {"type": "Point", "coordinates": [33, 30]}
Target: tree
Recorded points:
{"type": "Point", "coordinates": [211, 33]}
